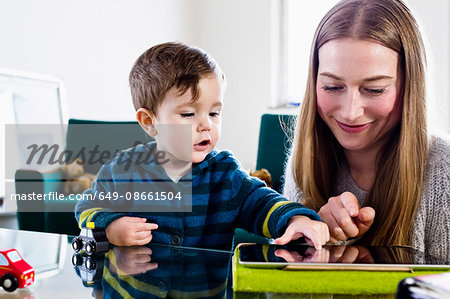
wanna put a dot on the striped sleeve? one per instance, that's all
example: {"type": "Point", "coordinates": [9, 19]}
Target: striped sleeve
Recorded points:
{"type": "Point", "coordinates": [91, 209]}
{"type": "Point", "coordinates": [264, 211]}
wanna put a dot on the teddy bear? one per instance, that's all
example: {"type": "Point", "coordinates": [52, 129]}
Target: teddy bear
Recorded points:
{"type": "Point", "coordinates": [75, 179]}
{"type": "Point", "coordinates": [263, 175]}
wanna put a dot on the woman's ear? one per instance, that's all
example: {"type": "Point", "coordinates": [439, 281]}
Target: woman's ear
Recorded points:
{"type": "Point", "coordinates": [147, 121]}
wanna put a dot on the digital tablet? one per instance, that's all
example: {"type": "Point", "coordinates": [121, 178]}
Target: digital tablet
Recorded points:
{"type": "Point", "coordinates": [351, 257]}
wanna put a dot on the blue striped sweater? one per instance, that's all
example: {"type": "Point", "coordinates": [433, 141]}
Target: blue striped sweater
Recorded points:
{"type": "Point", "coordinates": [224, 197]}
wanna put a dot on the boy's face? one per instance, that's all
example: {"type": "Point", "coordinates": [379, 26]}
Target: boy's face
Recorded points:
{"type": "Point", "coordinates": [204, 116]}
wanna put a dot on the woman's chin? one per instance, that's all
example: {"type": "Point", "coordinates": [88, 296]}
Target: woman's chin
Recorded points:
{"type": "Point", "coordinates": [352, 146]}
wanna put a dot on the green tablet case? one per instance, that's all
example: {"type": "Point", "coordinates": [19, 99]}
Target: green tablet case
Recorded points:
{"type": "Point", "coordinates": [256, 280]}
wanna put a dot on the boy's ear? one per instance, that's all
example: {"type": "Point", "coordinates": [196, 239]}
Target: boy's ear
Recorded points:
{"type": "Point", "coordinates": [147, 121]}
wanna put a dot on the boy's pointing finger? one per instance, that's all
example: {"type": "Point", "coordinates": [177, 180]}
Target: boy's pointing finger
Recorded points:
{"type": "Point", "coordinates": [152, 226]}
{"type": "Point", "coordinates": [287, 236]}
{"type": "Point", "coordinates": [146, 226]}
{"type": "Point", "coordinates": [134, 219]}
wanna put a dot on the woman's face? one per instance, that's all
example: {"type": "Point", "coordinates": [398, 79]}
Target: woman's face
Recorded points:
{"type": "Point", "coordinates": [359, 90]}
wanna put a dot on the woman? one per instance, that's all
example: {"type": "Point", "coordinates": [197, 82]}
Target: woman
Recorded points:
{"type": "Point", "coordinates": [361, 155]}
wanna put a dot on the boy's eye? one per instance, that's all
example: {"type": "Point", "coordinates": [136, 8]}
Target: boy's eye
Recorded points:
{"type": "Point", "coordinates": [190, 114]}
{"type": "Point", "coordinates": [332, 88]}
{"type": "Point", "coordinates": [213, 114]}
{"type": "Point", "coordinates": [375, 91]}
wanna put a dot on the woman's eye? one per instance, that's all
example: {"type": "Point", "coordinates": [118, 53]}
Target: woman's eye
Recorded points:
{"type": "Point", "coordinates": [332, 88]}
{"type": "Point", "coordinates": [375, 91]}
{"type": "Point", "coordinates": [213, 114]}
{"type": "Point", "coordinates": [187, 114]}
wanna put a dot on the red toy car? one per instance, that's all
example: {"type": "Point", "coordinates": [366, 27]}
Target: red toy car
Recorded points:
{"type": "Point", "coordinates": [14, 271]}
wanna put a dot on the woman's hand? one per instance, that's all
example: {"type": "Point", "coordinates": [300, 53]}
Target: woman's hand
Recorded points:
{"type": "Point", "coordinates": [311, 255]}
{"type": "Point", "coordinates": [329, 254]}
{"type": "Point", "coordinates": [344, 217]}
{"type": "Point", "coordinates": [350, 255]}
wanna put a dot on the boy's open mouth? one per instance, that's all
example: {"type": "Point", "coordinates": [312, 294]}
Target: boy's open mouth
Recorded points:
{"type": "Point", "coordinates": [204, 142]}
{"type": "Point", "coordinates": [203, 145]}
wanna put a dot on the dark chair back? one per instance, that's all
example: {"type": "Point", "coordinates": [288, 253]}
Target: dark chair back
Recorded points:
{"type": "Point", "coordinates": [82, 136]}
{"type": "Point", "coordinates": [274, 144]}
{"type": "Point", "coordinates": [102, 136]}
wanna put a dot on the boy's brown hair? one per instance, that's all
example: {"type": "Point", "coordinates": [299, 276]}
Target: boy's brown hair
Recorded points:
{"type": "Point", "coordinates": [168, 65]}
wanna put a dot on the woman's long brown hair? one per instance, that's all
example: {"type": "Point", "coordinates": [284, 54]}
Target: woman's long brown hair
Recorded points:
{"type": "Point", "coordinates": [396, 192]}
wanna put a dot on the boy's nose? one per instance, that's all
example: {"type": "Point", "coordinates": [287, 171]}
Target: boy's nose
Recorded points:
{"type": "Point", "coordinates": [352, 106]}
{"type": "Point", "coordinates": [204, 124]}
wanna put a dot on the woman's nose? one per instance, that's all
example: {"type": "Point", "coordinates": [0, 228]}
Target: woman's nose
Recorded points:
{"type": "Point", "coordinates": [352, 106]}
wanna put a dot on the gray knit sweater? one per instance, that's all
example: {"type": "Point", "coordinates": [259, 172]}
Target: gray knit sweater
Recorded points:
{"type": "Point", "coordinates": [432, 224]}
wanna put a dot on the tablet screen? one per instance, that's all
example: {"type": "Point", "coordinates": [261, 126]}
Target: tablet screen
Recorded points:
{"type": "Point", "coordinates": [338, 257]}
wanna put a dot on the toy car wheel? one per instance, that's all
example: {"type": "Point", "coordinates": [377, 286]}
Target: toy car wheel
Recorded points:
{"type": "Point", "coordinates": [90, 263]}
{"type": "Point", "coordinates": [77, 244]}
{"type": "Point", "coordinates": [90, 248]}
{"type": "Point", "coordinates": [9, 283]}
{"type": "Point", "coordinates": [77, 260]}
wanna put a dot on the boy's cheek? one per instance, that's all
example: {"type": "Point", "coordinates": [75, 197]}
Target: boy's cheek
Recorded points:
{"type": "Point", "coordinates": [198, 157]}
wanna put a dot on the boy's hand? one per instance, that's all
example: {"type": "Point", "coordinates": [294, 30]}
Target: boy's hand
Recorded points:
{"type": "Point", "coordinates": [130, 231]}
{"type": "Point", "coordinates": [315, 232]}
{"type": "Point", "coordinates": [133, 260]}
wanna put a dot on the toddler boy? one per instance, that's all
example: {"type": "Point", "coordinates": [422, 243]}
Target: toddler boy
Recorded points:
{"type": "Point", "coordinates": [175, 84]}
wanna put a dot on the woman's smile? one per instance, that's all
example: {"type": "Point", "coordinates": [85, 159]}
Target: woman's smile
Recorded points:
{"type": "Point", "coordinates": [353, 128]}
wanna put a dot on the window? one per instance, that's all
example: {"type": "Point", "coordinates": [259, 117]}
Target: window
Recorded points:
{"type": "Point", "coordinates": [25, 98]}
{"type": "Point", "coordinates": [297, 23]}
{"type": "Point", "coordinates": [14, 256]}
{"type": "Point", "coordinates": [3, 260]}
{"type": "Point", "coordinates": [303, 20]}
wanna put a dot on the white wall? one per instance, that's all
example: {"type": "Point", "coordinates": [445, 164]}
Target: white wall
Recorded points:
{"type": "Point", "coordinates": [92, 45]}
{"type": "Point", "coordinates": [237, 33]}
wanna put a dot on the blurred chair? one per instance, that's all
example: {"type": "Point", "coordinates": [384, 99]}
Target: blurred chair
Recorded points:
{"type": "Point", "coordinates": [274, 145]}
{"type": "Point", "coordinates": [110, 136]}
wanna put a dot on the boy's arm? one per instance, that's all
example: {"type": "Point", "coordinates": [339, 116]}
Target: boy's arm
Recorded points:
{"type": "Point", "coordinates": [91, 208]}
{"type": "Point", "coordinates": [93, 211]}
{"type": "Point", "coordinates": [98, 206]}
{"type": "Point", "coordinates": [264, 211]}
